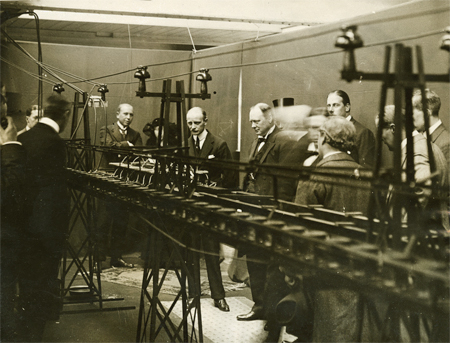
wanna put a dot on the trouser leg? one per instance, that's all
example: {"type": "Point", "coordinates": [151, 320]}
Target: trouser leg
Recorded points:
{"type": "Point", "coordinates": [9, 277]}
{"type": "Point", "coordinates": [257, 270]}
{"type": "Point", "coordinates": [212, 247]}
{"type": "Point", "coordinates": [120, 217]}
{"type": "Point", "coordinates": [39, 293]}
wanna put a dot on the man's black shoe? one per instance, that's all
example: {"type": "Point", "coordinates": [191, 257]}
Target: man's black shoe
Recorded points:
{"type": "Point", "coordinates": [254, 314]}
{"type": "Point", "coordinates": [222, 305]}
{"type": "Point", "coordinates": [120, 263]}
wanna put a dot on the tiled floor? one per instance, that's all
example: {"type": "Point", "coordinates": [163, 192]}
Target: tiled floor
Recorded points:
{"type": "Point", "coordinates": [222, 327]}
{"type": "Point", "coordinates": [121, 325]}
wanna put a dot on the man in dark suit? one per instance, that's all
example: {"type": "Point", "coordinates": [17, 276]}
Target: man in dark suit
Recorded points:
{"type": "Point", "coordinates": [119, 135]}
{"type": "Point", "coordinates": [48, 205]}
{"type": "Point", "coordinates": [438, 132]}
{"type": "Point", "coordinates": [12, 223]}
{"type": "Point", "coordinates": [204, 144]}
{"type": "Point", "coordinates": [338, 104]}
{"type": "Point", "coordinates": [337, 136]}
{"type": "Point", "coordinates": [113, 216]}
{"type": "Point", "coordinates": [266, 281]}
{"type": "Point", "coordinates": [335, 307]}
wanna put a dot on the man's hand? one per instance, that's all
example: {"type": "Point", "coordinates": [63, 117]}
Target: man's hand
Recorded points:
{"type": "Point", "coordinates": [10, 133]}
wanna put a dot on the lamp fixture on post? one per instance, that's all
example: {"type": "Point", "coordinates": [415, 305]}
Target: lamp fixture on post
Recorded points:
{"type": "Point", "coordinates": [203, 76]}
{"type": "Point", "coordinates": [349, 40]}
{"type": "Point", "coordinates": [58, 88]}
{"type": "Point", "coordinates": [103, 89]}
{"type": "Point", "coordinates": [141, 74]}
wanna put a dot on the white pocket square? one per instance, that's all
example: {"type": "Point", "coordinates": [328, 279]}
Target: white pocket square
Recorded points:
{"type": "Point", "coordinates": [211, 156]}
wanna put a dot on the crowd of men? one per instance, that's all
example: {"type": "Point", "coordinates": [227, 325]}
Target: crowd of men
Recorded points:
{"type": "Point", "coordinates": [334, 140]}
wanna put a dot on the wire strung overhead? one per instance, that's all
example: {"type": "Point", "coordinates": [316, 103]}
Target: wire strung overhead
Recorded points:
{"type": "Point", "coordinates": [50, 69]}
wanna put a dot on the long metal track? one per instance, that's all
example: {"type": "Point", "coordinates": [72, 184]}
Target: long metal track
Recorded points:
{"type": "Point", "coordinates": [314, 240]}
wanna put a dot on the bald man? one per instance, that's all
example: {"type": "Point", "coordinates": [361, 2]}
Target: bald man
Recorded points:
{"type": "Point", "coordinates": [117, 135]}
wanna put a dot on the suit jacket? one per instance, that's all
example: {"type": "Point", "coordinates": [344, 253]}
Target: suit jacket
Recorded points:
{"type": "Point", "coordinates": [344, 198]}
{"type": "Point", "coordinates": [47, 197]}
{"type": "Point", "coordinates": [215, 148]}
{"type": "Point", "coordinates": [112, 137]}
{"type": "Point", "coordinates": [441, 138]}
{"type": "Point", "coordinates": [422, 172]}
{"type": "Point", "coordinates": [273, 152]}
{"type": "Point", "coordinates": [12, 190]}
{"type": "Point", "coordinates": [364, 151]}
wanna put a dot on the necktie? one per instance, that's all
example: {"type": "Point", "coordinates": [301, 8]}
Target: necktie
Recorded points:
{"type": "Point", "coordinates": [260, 140]}
{"type": "Point", "coordinates": [197, 145]}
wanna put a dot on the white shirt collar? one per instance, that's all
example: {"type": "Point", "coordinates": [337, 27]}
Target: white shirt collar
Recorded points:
{"type": "Point", "coordinates": [50, 122]}
{"type": "Point", "coordinates": [27, 128]}
{"type": "Point", "coordinates": [349, 117]}
{"type": "Point", "coordinates": [268, 132]}
{"type": "Point", "coordinates": [312, 147]}
{"type": "Point", "coordinates": [121, 127]}
{"type": "Point", "coordinates": [433, 127]}
{"type": "Point", "coordinates": [414, 133]}
{"type": "Point", "coordinates": [202, 136]}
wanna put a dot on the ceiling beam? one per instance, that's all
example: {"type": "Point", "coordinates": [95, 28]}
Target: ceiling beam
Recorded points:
{"type": "Point", "coordinates": [109, 39]}
{"type": "Point", "coordinates": [229, 11]}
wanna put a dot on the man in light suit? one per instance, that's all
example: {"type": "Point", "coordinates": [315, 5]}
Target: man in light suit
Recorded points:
{"type": "Point", "coordinates": [117, 135]}
{"type": "Point", "coordinates": [48, 219]}
{"type": "Point", "coordinates": [266, 281]}
{"type": "Point", "coordinates": [433, 215]}
{"type": "Point", "coordinates": [338, 104]}
{"type": "Point", "coordinates": [204, 144]}
{"type": "Point", "coordinates": [422, 171]}
{"type": "Point", "coordinates": [438, 133]}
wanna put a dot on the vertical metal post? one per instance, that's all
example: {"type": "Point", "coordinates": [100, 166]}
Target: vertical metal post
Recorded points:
{"type": "Point", "coordinates": [398, 122]}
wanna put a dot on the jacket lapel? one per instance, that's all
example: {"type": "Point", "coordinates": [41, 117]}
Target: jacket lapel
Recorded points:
{"type": "Point", "coordinates": [115, 133]}
{"type": "Point", "coordinates": [435, 135]}
{"type": "Point", "coordinates": [207, 146]}
{"type": "Point", "coordinates": [269, 144]}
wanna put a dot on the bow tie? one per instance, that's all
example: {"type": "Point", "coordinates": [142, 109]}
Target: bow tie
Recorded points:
{"type": "Point", "coordinates": [261, 140]}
